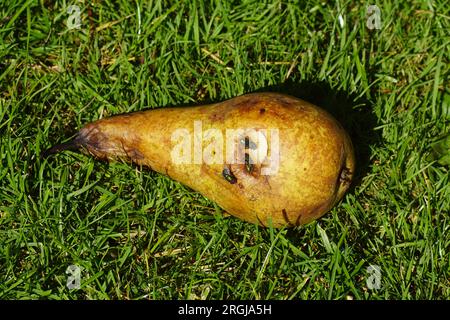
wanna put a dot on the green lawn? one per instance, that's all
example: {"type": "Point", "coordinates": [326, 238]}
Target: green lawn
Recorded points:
{"type": "Point", "coordinates": [136, 234]}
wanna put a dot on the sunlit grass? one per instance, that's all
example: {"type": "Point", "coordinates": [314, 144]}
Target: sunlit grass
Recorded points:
{"type": "Point", "coordinates": [137, 234]}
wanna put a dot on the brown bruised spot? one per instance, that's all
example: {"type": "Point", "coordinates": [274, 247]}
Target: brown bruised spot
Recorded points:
{"type": "Point", "coordinates": [217, 117]}
{"type": "Point", "coordinates": [166, 140]}
{"type": "Point", "coordinates": [240, 185]}
{"type": "Point", "coordinates": [108, 144]}
{"type": "Point", "coordinates": [243, 106]}
{"type": "Point", "coordinates": [285, 101]}
{"type": "Point", "coordinates": [247, 104]}
{"type": "Point", "coordinates": [281, 113]}
{"type": "Point", "coordinates": [240, 105]}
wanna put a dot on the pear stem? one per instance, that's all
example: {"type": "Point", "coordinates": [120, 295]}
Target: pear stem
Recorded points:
{"type": "Point", "coordinates": [70, 145]}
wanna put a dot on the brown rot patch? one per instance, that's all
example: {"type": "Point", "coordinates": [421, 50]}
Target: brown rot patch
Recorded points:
{"type": "Point", "coordinates": [90, 137]}
{"type": "Point", "coordinates": [91, 140]}
{"type": "Point", "coordinates": [262, 111]}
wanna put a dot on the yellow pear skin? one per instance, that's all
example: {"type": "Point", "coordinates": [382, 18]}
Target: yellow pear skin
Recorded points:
{"type": "Point", "coordinates": [266, 158]}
